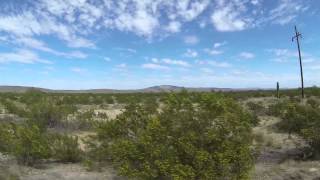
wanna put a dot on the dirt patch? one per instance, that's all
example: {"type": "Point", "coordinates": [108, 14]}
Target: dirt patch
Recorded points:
{"type": "Point", "coordinates": [280, 155]}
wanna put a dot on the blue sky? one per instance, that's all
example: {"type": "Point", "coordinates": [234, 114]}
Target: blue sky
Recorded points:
{"type": "Point", "coordinates": [129, 44]}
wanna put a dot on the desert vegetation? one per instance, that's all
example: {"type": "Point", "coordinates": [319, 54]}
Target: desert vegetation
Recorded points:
{"type": "Point", "coordinates": [185, 135]}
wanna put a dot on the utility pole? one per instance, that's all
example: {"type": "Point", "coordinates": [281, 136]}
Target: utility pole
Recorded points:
{"type": "Point", "coordinates": [297, 36]}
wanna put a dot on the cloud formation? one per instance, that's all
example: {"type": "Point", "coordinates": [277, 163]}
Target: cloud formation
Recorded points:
{"type": "Point", "coordinates": [73, 20]}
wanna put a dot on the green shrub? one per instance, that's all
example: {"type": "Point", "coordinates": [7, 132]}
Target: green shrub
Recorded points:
{"type": "Point", "coordinates": [303, 120]}
{"type": "Point", "coordinates": [83, 121]}
{"type": "Point", "coordinates": [6, 137]}
{"type": "Point", "coordinates": [256, 108]}
{"type": "Point", "coordinates": [29, 144]}
{"type": "Point", "coordinates": [277, 109]}
{"type": "Point", "coordinates": [313, 102]}
{"type": "Point", "coordinates": [66, 148]}
{"type": "Point", "coordinates": [205, 138]}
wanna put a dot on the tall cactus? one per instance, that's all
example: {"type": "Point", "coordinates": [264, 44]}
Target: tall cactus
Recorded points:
{"type": "Point", "coordinates": [278, 93]}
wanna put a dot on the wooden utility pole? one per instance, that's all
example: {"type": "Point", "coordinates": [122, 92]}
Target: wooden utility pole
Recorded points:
{"type": "Point", "coordinates": [297, 36]}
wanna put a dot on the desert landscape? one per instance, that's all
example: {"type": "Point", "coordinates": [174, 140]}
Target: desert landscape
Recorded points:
{"type": "Point", "coordinates": [159, 90]}
{"type": "Point", "coordinates": [78, 124]}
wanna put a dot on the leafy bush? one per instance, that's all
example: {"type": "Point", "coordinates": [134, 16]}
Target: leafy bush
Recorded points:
{"type": "Point", "coordinates": [303, 120]}
{"type": "Point", "coordinates": [6, 137]}
{"type": "Point", "coordinates": [256, 108]}
{"type": "Point", "coordinates": [277, 109]}
{"type": "Point", "coordinates": [29, 144]}
{"type": "Point", "coordinates": [66, 148]}
{"type": "Point", "coordinates": [313, 102]}
{"type": "Point", "coordinates": [208, 138]}
{"type": "Point", "coordinates": [11, 107]}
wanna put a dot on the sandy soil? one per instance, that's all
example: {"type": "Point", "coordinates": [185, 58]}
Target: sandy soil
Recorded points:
{"type": "Point", "coordinates": [10, 170]}
{"type": "Point", "coordinates": [281, 157]}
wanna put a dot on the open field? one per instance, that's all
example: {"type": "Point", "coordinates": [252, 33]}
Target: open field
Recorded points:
{"type": "Point", "coordinates": [75, 136]}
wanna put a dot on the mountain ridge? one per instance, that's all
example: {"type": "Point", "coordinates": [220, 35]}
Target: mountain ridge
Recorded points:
{"type": "Point", "coordinates": [152, 89]}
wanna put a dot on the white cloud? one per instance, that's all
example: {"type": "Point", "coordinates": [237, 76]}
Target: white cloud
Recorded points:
{"type": "Point", "coordinates": [28, 23]}
{"type": "Point", "coordinates": [122, 65]}
{"type": "Point", "coordinates": [235, 15]}
{"type": "Point", "coordinates": [155, 60]}
{"type": "Point", "coordinates": [3, 38]}
{"type": "Point", "coordinates": [207, 70]}
{"type": "Point", "coordinates": [191, 53]}
{"type": "Point", "coordinates": [74, 20]}
{"type": "Point", "coordinates": [219, 44]}
{"type": "Point", "coordinates": [219, 64]}
{"type": "Point", "coordinates": [175, 62]}
{"type": "Point", "coordinates": [169, 61]}
{"type": "Point", "coordinates": [141, 23]}
{"type": "Point", "coordinates": [22, 56]}
{"type": "Point", "coordinates": [282, 55]}
{"type": "Point", "coordinates": [174, 27]}
{"type": "Point", "coordinates": [228, 16]}
{"type": "Point", "coordinates": [213, 51]}
{"type": "Point", "coordinates": [42, 46]}
{"type": "Point", "coordinates": [255, 2]}
{"type": "Point", "coordinates": [154, 66]}
{"type": "Point", "coordinates": [313, 67]}
{"type": "Point", "coordinates": [286, 11]}
{"type": "Point", "coordinates": [78, 70]}
{"type": "Point", "coordinates": [246, 55]}
{"type": "Point", "coordinates": [133, 51]}
{"type": "Point", "coordinates": [76, 54]}
{"type": "Point", "coordinates": [191, 40]}
{"type": "Point", "coordinates": [108, 59]}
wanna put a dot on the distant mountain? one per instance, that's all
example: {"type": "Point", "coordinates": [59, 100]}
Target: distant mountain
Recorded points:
{"type": "Point", "coordinates": [169, 88]}
{"type": "Point", "coordinates": [155, 89]}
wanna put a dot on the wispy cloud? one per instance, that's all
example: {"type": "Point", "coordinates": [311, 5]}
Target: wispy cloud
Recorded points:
{"type": "Point", "coordinates": [175, 62]}
{"type": "Point", "coordinates": [219, 44]}
{"type": "Point", "coordinates": [154, 66]}
{"type": "Point", "coordinates": [191, 40]}
{"type": "Point", "coordinates": [234, 15]}
{"type": "Point", "coordinates": [282, 55]}
{"type": "Point", "coordinates": [220, 64]}
{"type": "Point", "coordinates": [78, 70]}
{"type": "Point", "coordinates": [108, 59]}
{"type": "Point", "coordinates": [168, 61]}
{"type": "Point", "coordinates": [42, 46]}
{"type": "Point", "coordinates": [73, 21]}
{"type": "Point", "coordinates": [122, 65]}
{"type": "Point", "coordinates": [133, 51]}
{"type": "Point", "coordinates": [213, 51]}
{"type": "Point", "coordinates": [228, 16]}
{"type": "Point", "coordinates": [286, 11]}
{"type": "Point", "coordinates": [174, 26]}
{"type": "Point", "coordinates": [246, 55]}
{"type": "Point", "coordinates": [22, 56]}
{"type": "Point", "coordinates": [191, 53]}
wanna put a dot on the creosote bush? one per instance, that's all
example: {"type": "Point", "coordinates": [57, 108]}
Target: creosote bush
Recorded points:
{"type": "Point", "coordinates": [195, 136]}
{"type": "Point", "coordinates": [304, 121]}
{"type": "Point", "coordinates": [65, 148]}
{"type": "Point", "coordinates": [29, 144]}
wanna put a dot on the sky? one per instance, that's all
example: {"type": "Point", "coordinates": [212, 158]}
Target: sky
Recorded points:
{"type": "Point", "coordinates": [131, 44]}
